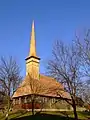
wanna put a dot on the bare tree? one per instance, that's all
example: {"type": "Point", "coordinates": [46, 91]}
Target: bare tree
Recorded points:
{"type": "Point", "coordinates": [36, 89]}
{"type": "Point", "coordinates": [83, 49]}
{"type": "Point", "coordinates": [9, 76]}
{"type": "Point", "coordinates": [85, 93]}
{"type": "Point", "coordinates": [65, 67]}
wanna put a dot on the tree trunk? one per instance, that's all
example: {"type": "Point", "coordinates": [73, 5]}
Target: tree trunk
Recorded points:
{"type": "Point", "coordinates": [74, 109]}
{"type": "Point", "coordinates": [8, 103]}
{"type": "Point", "coordinates": [8, 106]}
{"type": "Point", "coordinates": [32, 107]}
{"type": "Point", "coordinates": [8, 100]}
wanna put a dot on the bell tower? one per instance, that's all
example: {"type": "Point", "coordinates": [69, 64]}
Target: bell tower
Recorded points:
{"type": "Point", "coordinates": [32, 61]}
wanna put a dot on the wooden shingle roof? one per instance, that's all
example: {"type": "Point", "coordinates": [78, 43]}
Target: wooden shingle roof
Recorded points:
{"type": "Point", "coordinates": [46, 86]}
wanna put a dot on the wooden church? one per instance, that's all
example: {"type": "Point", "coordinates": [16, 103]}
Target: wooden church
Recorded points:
{"type": "Point", "coordinates": [42, 90]}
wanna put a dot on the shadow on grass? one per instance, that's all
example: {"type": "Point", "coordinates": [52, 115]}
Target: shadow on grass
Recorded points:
{"type": "Point", "coordinates": [86, 114]}
{"type": "Point", "coordinates": [43, 117]}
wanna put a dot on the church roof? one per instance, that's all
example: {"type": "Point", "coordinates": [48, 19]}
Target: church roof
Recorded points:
{"type": "Point", "coordinates": [46, 86]}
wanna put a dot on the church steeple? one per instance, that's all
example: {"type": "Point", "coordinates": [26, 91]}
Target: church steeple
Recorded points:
{"type": "Point", "coordinates": [32, 61]}
{"type": "Point", "coordinates": [32, 43]}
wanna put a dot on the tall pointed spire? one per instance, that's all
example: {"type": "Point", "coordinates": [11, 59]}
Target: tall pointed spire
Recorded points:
{"type": "Point", "coordinates": [32, 61]}
{"type": "Point", "coordinates": [32, 43]}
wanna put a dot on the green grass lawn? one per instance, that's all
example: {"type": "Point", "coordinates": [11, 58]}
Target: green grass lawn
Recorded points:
{"type": "Point", "coordinates": [23, 115]}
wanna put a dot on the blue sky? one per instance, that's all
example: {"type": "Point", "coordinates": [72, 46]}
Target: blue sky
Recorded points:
{"type": "Point", "coordinates": [54, 20]}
